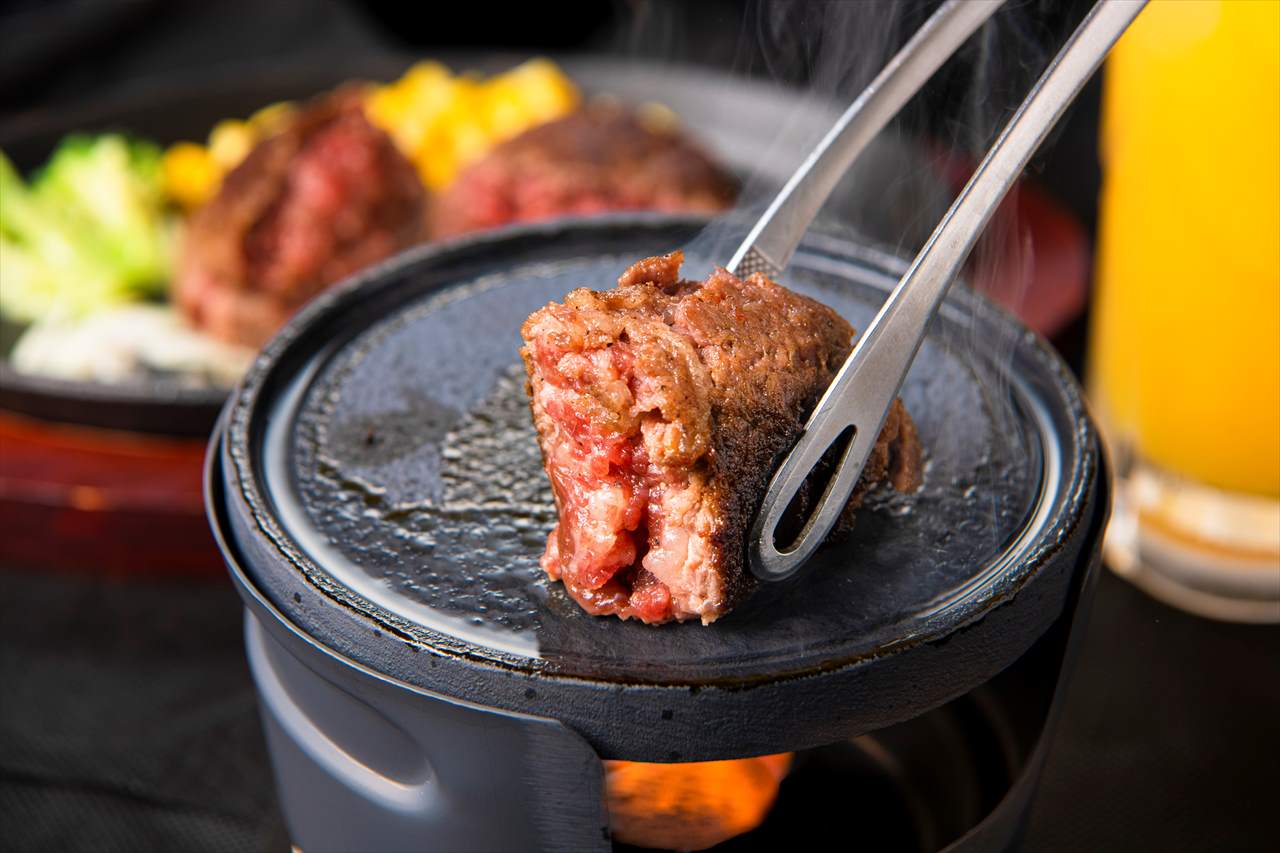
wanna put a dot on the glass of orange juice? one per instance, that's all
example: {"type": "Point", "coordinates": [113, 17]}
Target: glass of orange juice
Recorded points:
{"type": "Point", "coordinates": [1184, 368]}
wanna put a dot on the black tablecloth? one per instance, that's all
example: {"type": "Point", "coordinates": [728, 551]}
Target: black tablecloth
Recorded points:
{"type": "Point", "coordinates": [128, 723]}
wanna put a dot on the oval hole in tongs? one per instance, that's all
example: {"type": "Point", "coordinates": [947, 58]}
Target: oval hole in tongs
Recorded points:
{"type": "Point", "coordinates": [796, 519]}
{"type": "Point", "coordinates": [868, 381]}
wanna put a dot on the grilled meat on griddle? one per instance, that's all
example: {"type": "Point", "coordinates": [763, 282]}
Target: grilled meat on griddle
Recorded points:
{"type": "Point", "coordinates": [661, 408]}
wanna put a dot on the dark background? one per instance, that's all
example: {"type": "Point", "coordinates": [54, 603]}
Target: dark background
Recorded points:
{"type": "Point", "coordinates": [68, 50]}
{"type": "Point", "coordinates": [127, 719]}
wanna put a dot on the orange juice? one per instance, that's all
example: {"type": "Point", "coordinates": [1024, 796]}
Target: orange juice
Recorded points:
{"type": "Point", "coordinates": [1185, 360]}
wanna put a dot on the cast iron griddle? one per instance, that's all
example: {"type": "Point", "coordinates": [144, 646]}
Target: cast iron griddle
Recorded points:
{"type": "Point", "coordinates": [387, 497]}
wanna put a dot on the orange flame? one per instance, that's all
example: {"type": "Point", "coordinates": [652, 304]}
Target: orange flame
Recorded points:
{"type": "Point", "coordinates": [691, 806]}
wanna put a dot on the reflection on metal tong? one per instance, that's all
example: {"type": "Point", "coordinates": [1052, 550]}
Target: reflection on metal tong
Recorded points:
{"type": "Point", "coordinates": [859, 397]}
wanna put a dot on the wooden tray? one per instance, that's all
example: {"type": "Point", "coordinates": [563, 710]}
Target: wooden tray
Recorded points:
{"type": "Point", "coordinates": [113, 503]}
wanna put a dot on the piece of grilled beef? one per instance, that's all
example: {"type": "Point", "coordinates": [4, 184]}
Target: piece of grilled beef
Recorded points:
{"type": "Point", "coordinates": [600, 158]}
{"type": "Point", "coordinates": [661, 408]}
{"type": "Point", "coordinates": [326, 196]}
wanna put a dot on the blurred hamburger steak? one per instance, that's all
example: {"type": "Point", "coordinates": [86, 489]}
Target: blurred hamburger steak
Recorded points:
{"type": "Point", "coordinates": [600, 158]}
{"type": "Point", "coordinates": [325, 196]}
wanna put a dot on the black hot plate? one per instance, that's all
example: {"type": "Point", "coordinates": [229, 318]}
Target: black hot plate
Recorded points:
{"type": "Point", "coordinates": [379, 485]}
{"type": "Point", "coordinates": [894, 195]}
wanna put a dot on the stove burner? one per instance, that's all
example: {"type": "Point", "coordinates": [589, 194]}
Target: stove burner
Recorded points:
{"type": "Point", "coordinates": [380, 500]}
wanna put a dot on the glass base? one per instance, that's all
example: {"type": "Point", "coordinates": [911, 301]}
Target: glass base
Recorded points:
{"type": "Point", "coordinates": [1204, 550]}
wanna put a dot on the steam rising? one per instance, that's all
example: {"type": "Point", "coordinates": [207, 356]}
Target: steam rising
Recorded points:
{"type": "Point", "coordinates": [900, 187]}
{"type": "Point", "coordinates": [829, 51]}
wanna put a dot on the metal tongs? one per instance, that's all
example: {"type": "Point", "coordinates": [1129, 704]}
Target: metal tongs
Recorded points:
{"type": "Point", "coordinates": [863, 390]}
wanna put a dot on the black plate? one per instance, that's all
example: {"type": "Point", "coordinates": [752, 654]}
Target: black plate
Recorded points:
{"type": "Point", "coordinates": [384, 491]}
{"type": "Point", "coordinates": [722, 111]}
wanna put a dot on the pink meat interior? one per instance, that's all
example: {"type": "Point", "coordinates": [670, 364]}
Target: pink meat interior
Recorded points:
{"type": "Point", "coordinates": [633, 534]}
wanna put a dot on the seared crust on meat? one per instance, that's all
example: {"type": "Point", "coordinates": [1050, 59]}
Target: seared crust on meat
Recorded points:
{"type": "Point", "coordinates": [695, 389]}
{"type": "Point", "coordinates": [600, 158]}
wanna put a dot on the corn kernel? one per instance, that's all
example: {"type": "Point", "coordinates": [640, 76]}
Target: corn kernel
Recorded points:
{"type": "Point", "coordinates": [229, 143]}
{"type": "Point", "coordinates": [191, 176]}
{"type": "Point", "coordinates": [443, 121]}
{"type": "Point", "coordinates": [269, 119]}
{"type": "Point", "coordinates": [424, 76]}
